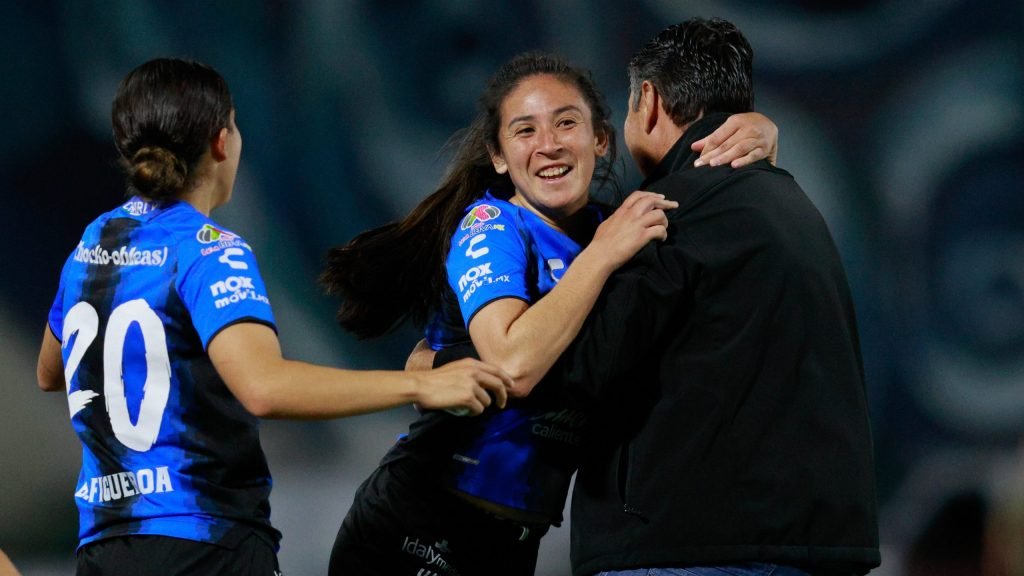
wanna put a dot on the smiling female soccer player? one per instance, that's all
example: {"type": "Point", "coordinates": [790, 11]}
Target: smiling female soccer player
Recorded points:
{"type": "Point", "coordinates": [512, 244]}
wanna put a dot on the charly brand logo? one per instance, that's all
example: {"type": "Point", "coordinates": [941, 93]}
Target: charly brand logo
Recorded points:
{"type": "Point", "coordinates": [225, 258]}
{"type": "Point", "coordinates": [209, 234]}
{"type": "Point", "coordinates": [475, 252]}
{"type": "Point", "coordinates": [123, 256]}
{"type": "Point", "coordinates": [479, 215]}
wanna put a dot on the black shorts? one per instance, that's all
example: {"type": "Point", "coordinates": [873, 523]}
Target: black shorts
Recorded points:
{"type": "Point", "coordinates": [167, 556]}
{"type": "Point", "coordinates": [409, 526]}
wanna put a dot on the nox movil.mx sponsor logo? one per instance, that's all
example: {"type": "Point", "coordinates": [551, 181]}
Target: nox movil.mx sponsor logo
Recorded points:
{"type": "Point", "coordinates": [476, 277]}
{"type": "Point", "coordinates": [231, 284]}
{"type": "Point", "coordinates": [234, 289]}
{"type": "Point", "coordinates": [474, 273]}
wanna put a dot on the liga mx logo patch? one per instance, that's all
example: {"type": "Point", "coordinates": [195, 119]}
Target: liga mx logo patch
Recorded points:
{"type": "Point", "coordinates": [479, 215]}
{"type": "Point", "coordinates": [209, 234]}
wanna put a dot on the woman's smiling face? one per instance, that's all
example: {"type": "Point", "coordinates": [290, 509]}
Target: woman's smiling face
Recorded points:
{"type": "Point", "coordinates": [548, 146]}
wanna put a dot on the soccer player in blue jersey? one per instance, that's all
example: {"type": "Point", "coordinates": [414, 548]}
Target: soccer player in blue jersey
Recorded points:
{"type": "Point", "coordinates": [518, 254]}
{"type": "Point", "coordinates": [162, 335]}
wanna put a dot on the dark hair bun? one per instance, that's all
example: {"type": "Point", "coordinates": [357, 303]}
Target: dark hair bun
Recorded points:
{"type": "Point", "coordinates": [157, 173]}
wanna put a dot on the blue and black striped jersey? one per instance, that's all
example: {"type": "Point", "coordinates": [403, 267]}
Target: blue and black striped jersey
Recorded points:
{"type": "Point", "coordinates": [167, 449]}
{"type": "Point", "coordinates": [523, 456]}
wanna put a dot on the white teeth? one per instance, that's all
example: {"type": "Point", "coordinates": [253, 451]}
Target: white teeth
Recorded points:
{"type": "Point", "coordinates": [553, 172]}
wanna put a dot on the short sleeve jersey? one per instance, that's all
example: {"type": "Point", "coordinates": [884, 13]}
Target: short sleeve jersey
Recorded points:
{"type": "Point", "coordinates": [523, 456]}
{"type": "Point", "coordinates": [167, 448]}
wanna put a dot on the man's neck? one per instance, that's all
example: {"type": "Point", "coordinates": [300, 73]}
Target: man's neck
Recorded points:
{"type": "Point", "coordinates": [664, 137]}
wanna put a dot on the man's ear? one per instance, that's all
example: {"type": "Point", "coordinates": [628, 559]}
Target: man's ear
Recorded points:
{"type": "Point", "coordinates": [500, 166]}
{"type": "Point", "coordinates": [650, 106]}
{"type": "Point", "coordinates": [218, 145]}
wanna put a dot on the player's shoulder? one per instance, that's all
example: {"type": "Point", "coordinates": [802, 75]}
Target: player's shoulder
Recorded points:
{"type": "Point", "coordinates": [488, 215]}
{"type": "Point", "coordinates": [195, 234]}
{"type": "Point", "coordinates": [126, 210]}
{"type": "Point", "coordinates": [486, 209]}
{"type": "Point", "coordinates": [96, 230]}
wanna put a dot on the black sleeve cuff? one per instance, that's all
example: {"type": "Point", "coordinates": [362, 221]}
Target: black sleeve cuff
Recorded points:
{"type": "Point", "coordinates": [453, 353]}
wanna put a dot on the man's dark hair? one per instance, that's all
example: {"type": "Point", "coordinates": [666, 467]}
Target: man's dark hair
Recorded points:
{"type": "Point", "coordinates": [697, 66]}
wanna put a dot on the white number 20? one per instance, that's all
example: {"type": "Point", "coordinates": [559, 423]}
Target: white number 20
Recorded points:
{"type": "Point", "coordinates": [82, 318]}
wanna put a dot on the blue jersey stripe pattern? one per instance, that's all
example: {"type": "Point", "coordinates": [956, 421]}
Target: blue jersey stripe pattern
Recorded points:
{"type": "Point", "coordinates": [522, 457]}
{"type": "Point", "coordinates": [167, 449]}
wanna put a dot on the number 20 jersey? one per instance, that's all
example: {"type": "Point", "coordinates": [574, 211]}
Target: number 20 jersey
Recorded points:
{"type": "Point", "coordinates": [167, 448]}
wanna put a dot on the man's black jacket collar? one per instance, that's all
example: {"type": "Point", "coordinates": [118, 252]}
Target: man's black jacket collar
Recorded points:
{"type": "Point", "coordinates": [680, 157]}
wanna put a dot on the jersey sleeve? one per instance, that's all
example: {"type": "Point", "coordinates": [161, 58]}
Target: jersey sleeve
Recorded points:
{"type": "Point", "coordinates": [221, 285]}
{"type": "Point", "coordinates": [55, 320]}
{"type": "Point", "coordinates": [487, 261]}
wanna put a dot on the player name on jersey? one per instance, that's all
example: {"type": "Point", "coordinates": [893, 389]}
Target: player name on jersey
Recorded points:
{"type": "Point", "coordinates": [126, 484]}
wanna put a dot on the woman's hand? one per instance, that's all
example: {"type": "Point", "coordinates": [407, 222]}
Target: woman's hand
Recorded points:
{"type": "Point", "coordinates": [741, 140]}
{"type": "Point", "coordinates": [640, 219]}
{"type": "Point", "coordinates": [463, 387]}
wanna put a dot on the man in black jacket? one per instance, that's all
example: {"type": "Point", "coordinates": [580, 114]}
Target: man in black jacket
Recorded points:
{"type": "Point", "coordinates": [722, 366]}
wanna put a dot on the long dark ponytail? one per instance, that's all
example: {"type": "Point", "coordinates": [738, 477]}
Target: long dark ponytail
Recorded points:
{"type": "Point", "coordinates": [396, 272]}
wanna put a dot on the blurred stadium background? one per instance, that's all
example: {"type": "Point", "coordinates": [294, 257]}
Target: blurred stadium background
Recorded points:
{"type": "Point", "coordinates": [902, 120]}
